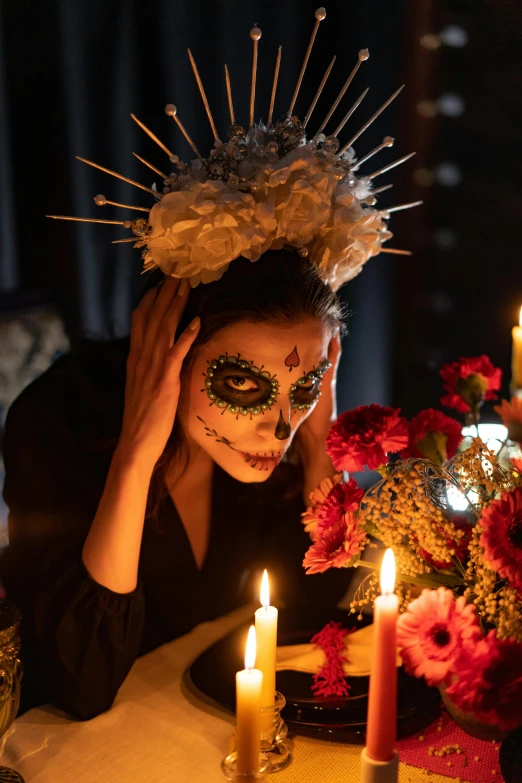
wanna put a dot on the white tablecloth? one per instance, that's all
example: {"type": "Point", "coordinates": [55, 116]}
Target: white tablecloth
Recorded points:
{"type": "Point", "coordinates": [154, 733]}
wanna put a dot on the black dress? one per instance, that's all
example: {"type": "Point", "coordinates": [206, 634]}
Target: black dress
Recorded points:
{"type": "Point", "coordinates": [79, 639]}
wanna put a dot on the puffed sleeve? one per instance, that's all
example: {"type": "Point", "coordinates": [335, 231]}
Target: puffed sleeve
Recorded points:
{"type": "Point", "coordinates": [79, 639]}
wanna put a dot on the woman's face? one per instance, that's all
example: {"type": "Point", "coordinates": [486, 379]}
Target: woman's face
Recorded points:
{"type": "Point", "coordinates": [248, 391]}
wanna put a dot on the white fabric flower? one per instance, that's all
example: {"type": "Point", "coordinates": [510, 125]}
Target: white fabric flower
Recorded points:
{"type": "Point", "coordinates": [351, 237]}
{"type": "Point", "coordinates": [300, 193]}
{"type": "Point", "coordinates": [198, 231]}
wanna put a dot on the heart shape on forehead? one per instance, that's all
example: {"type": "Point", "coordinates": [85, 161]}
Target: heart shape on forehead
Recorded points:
{"type": "Point", "coordinates": [292, 360]}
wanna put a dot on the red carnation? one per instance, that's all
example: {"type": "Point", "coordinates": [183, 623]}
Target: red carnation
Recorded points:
{"type": "Point", "coordinates": [489, 682]}
{"type": "Point", "coordinates": [434, 436]}
{"type": "Point", "coordinates": [501, 536]}
{"type": "Point", "coordinates": [365, 436]}
{"type": "Point", "coordinates": [469, 382]}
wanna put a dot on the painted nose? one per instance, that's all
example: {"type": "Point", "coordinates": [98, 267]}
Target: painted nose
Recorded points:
{"type": "Point", "coordinates": [283, 429]}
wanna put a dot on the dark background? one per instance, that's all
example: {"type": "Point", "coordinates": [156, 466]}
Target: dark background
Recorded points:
{"type": "Point", "coordinates": [72, 71]}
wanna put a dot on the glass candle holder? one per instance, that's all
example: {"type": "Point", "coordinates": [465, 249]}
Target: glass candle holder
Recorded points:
{"type": "Point", "coordinates": [229, 769]}
{"type": "Point", "coordinates": [274, 735]}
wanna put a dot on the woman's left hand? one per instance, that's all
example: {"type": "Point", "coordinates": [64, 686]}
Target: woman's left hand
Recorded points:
{"type": "Point", "coordinates": [312, 433]}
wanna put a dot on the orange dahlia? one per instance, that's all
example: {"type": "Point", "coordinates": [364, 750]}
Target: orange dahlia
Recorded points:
{"type": "Point", "coordinates": [501, 536]}
{"type": "Point", "coordinates": [511, 415]}
{"type": "Point", "coordinates": [517, 465]}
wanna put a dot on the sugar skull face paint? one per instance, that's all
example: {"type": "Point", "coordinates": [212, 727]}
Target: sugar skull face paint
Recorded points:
{"type": "Point", "coordinates": [283, 428]}
{"type": "Point", "coordinates": [292, 360]}
{"type": "Point", "coordinates": [236, 385]}
{"type": "Point", "coordinates": [307, 389]}
{"type": "Point", "coordinates": [237, 395]}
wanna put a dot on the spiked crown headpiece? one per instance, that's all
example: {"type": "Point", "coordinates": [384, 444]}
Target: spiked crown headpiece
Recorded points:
{"type": "Point", "coordinates": [268, 186]}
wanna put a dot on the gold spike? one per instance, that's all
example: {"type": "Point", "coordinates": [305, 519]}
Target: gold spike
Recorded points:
{"type": "Point", "coordinates": [318, 93]}
{"type": "Point", "coordinates": [274, 87]}
{"type": "Point", "coordinates": [101, 201]}
{"type": "Point", "coordinates": [121, 241]}
{"type": "Point", "coordinates": [367, 124]}
{"type": "Point", "coordinates": [91, 220]}
{"type": "Point", "coordinates": [153, 168]}
{"type": "Point", "coordinates": [361, 57]}
{"type": "Point", "coordinates": [320, 14]}
{"type": "Point", "coordinates": [202, 93]}
{"type": "Point", "coordinates": [396, 252]}
{"type": "Point", "coordinates": [349, 113]}
{"type": "Point", "coordinates": [118, 176]}
{"type": "Point", "coordinates": [388, 141]}
{"type": "Point", "coordinates": [403, 206]}
{"type": "Point", "coordinates": [172, 111]}
{"type": "Point", "coordinates": [390, 166]}
{"type": "Point", "coordinates": [229, 96]}
{"type": "Point", "coordinates": [381, 190]}
{"type": "Point", "coordinates": [255, 34]}
{"type": "Point", "coordinates": [152, 136]}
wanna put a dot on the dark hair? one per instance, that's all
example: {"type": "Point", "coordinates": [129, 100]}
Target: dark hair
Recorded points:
{"type": "Point", "coordinates": [282, 288]}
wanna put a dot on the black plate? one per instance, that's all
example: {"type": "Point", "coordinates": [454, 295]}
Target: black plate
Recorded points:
{"type": "Point", "coordinates": [342, 720]}
{"type": "Point", "coordinates": [510, 757]}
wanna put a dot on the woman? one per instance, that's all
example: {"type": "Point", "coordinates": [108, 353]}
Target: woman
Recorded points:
{"type": "Point", "coordinates": [149, 484]}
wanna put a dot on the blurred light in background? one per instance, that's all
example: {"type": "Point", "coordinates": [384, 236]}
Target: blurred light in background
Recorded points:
{"type": "Point", "coordinates": [453, 35]}
{"type": "Point", "coordinates": [450, 104]}
{"type": "Point", "coordinates": [448, 174]}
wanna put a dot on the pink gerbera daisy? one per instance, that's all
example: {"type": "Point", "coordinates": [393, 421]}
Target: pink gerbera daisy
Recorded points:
{"type": "Point", "coordinates": [489, 682]}
{"type": "Point", "coordinates": [364, 437]}
{"type": "Point", "coordinates": [433, 631]}
{"type": "Point", "coordinates": [501, 536]}
{"type": "Point", "coordinates": [338, 546]}
{"type": "Point", "coordinates": [330, 502]}
{"type": "Point", "coordinates": [310, 517]}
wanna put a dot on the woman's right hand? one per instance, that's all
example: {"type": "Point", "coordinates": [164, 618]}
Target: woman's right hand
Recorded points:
{"type": "Point", "coordinates": [153, 371]}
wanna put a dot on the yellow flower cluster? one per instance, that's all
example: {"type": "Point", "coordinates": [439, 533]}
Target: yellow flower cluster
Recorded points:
{"type": "Point", "coordinates": [404, 513]}
{"type": "Point", "coordinates": [408, 510]}
{"type": "Point", "coordinates": [497, 603]}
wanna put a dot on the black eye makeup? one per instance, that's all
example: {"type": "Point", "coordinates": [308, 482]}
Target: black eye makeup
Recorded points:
{"type": "Point", "coordinates": [237, 385]}
{"type": "Point", "coordinates": [306, 390]}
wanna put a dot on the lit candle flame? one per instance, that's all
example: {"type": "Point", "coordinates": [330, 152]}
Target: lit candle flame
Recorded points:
{"type": "Point", "coordinates": [265, 592]}
{"type": "Point", "coordinates": [388, 573]}
{"type": "Point", "coordinates": [520, 318]}
{"type": "Point", "coordinates": [250, 650]}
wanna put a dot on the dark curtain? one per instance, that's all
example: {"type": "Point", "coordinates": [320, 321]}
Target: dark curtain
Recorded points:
{"type": "Point", "coordinates": [71, 71]}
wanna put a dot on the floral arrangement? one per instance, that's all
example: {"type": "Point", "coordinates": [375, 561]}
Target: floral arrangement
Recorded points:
{"type": "Point", "coordinates": [464, 631]}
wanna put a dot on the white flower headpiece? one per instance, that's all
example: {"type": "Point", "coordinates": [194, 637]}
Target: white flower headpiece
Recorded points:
{"type": "Point", "coordinates": [267, 187]}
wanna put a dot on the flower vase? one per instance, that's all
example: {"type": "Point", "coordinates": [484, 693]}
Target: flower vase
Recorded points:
{"type": "Point", "coordinates": [469, 723]}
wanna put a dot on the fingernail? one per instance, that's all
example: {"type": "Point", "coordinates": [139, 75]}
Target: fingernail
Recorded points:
{"type": "Point", "coordinates": [182, 287]}
{"type": "Point", "coordinates": [193, 325]}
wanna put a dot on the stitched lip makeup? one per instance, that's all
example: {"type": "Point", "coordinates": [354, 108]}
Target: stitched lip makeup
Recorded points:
{"type": "Point", "coordinates": [263, 460]}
